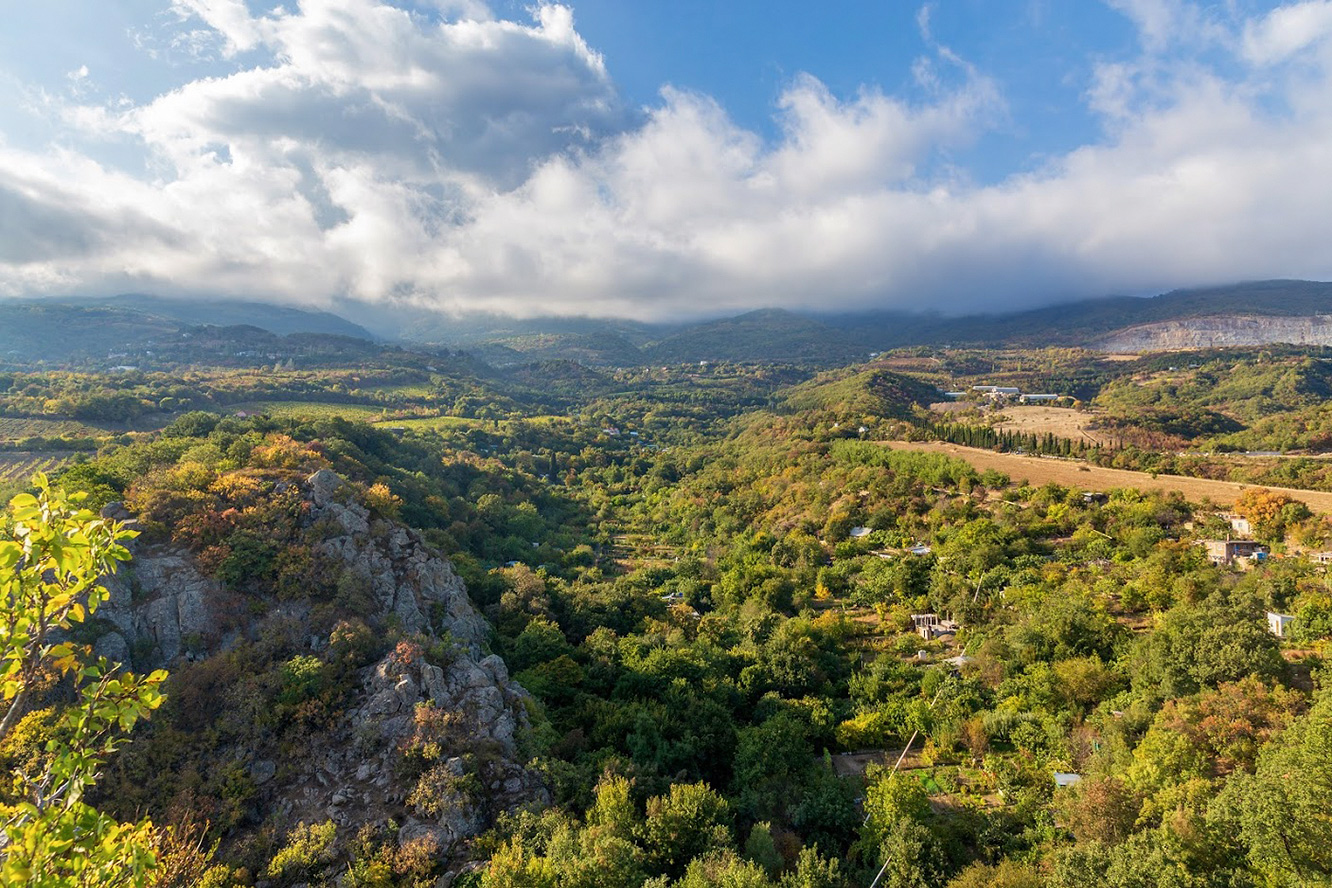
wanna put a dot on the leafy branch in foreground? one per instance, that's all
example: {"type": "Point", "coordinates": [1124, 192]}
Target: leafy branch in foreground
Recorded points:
{"type": "Point", "coordinates": [52, 555]}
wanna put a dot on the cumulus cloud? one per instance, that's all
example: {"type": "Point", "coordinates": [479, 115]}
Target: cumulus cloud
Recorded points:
{"type": "Point", "coordinates": [449, 158]}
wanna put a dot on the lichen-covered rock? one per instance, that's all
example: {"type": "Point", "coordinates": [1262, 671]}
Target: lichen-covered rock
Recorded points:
{"type": "Point", "coordinates": [419, 589]}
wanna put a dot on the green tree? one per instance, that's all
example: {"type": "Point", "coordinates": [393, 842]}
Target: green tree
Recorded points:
{"type": "Point", "coordinates": [688, 822]}
{"type": "Point", "coordinates": [52, 553]}
{"type": "Point", "coordinates": [1282, 808]}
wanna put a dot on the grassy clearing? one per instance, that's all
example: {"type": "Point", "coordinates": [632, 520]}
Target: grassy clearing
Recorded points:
{"type": "Point", "coordinates": [408, 389]}
{"type": "Point", "coordinates": [13, 428]}
{"type": "Point", "coordinates": [315, 409]}
{"type": "Point", "coordinates": [1062, 422]}
{"type": "Point", "coordinates": [429, 422]}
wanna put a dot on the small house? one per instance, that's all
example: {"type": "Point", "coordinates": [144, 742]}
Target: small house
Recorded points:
{"type": "Point", "coordinates": [919, 549]}
{"type": "Point", "coordinates": [1226, 551]}
{"type": "Point", "coordinates": [1062, 778]}
{"type": "Point", "coordinates": [859, 533]}
{"type": "Point", "coordinates": [1277, 623]}
{"type": "Point", "coordinates": [1239, 524]}
{"type": "Point", "coordinates": [1321, 557]}
{"type": "Point", "coordinates": [931, 626]}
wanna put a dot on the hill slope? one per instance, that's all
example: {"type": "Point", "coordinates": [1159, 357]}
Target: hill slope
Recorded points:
{"type": "Point", "coordinates": [1087, 323]}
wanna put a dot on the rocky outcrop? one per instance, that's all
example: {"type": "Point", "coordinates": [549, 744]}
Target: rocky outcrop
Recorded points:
{"type": "Point", "coordinates": [162, 609]}
{"type": "Point", "coordinates": [358, 779]}
{"type": "Point", "coordinates": [1212, 332]}
{"type": "Point", "coordinates": [418, 589]}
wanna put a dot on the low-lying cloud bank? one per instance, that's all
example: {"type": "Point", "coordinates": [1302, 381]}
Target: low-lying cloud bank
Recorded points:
{"type": "Point", "coordinates": [363, 151]}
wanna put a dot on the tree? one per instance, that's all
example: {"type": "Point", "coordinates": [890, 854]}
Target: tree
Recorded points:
{"type": "Point", "coordinates": [52, 553]}
{"type": "Point", "coordinates": [1221, 639]}
{"type": "Point", "coordinates": [1282, 808]}
{"type": "Point", "coordinates": [689, 821]}
{"type": "Point", "coordinates": [1270, 512]}
{"type": "Point", "coordinates": [1100, 810]}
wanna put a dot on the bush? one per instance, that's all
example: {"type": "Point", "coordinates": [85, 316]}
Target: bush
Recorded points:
{"type": "Point", "coordinates": [308, 849]}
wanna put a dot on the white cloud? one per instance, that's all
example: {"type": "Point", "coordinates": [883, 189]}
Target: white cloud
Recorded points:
{"type": "Point", "coordinates": [454, 159]}
{"type": "Point", "coordinates": [1287, 30]}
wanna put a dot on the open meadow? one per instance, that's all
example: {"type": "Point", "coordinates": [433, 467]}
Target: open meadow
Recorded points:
{"type": "Point", "coordinates": [1039, 470]}
{"type": "Point", "coordinates": [1062, 422]}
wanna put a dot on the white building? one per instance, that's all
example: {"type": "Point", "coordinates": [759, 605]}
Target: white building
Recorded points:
{"type": "Point", "coordinates": [1277, 623]}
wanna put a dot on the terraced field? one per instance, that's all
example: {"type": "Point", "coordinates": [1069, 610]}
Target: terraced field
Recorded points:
{"type": "Point", "coordinates": [20, 465]}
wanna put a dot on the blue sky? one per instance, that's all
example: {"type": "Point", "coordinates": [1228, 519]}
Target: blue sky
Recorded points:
{"type": "Point", "coordinates": [662, 160]}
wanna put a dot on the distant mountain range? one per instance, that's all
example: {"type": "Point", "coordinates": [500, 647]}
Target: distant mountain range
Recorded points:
{"type": "Point", "coordinates": [1089, 323]}
{"type": "Point", "coordinates": [1254, 313]}
{"type": "Point", "coordinates": [1242, 314]}
{"type": "Point", "coordinates": [279, 319]}
{"type": "Point", "coordinates": [126, 329]}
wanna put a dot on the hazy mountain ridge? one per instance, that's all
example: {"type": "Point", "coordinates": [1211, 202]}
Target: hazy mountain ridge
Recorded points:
{"type": "Point", "coordinates": [1254, 313]}
{"type": "Point", "coordinates": [126, 331]}
{"type": "Point", "coordinates": [280, 319]}
{"type": "Point", "coordinates": [780, 335]}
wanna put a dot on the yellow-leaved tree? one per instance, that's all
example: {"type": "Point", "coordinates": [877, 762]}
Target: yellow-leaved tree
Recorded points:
{"type": "Point", "coordinates": [52, 554]}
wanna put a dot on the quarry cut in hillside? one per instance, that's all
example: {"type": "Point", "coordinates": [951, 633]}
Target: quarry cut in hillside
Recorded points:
{"type": "Point", "coordinates": [164, 611]}
{"type": "Point", "coordinates": [1216, 332]}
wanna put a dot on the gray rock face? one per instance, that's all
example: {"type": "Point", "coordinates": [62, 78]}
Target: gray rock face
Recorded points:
{"type": "Point", "coordinates": [1223, 330]}
{"type": "Point", "coordinates": [419, 589]}
{"type": "Point", "coordinates": [356, 782]}
{"type": "Point", "coordinates": [160, 597]}
{"type": "Point", "coordinates": [161, 609]}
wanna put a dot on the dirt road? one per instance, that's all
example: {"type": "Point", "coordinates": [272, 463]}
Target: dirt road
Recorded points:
{"type": "Point", "coordinates": [1042, 470]}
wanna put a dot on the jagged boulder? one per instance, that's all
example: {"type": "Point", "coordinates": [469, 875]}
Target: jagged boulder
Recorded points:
{"type": "Point", "coordinates": [418, 588]}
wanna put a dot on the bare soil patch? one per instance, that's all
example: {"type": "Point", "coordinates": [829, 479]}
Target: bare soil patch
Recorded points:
{"type": "Point", "coordinates": [1072, 473]}
{"type": "Point", "coordinates": [853, 764]}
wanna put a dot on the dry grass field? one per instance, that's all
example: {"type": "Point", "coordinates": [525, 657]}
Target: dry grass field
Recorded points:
{"type": "Point", "coordinates": [1063, 422]}
{"type": "Point", "coordinates": [1043, 470]}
